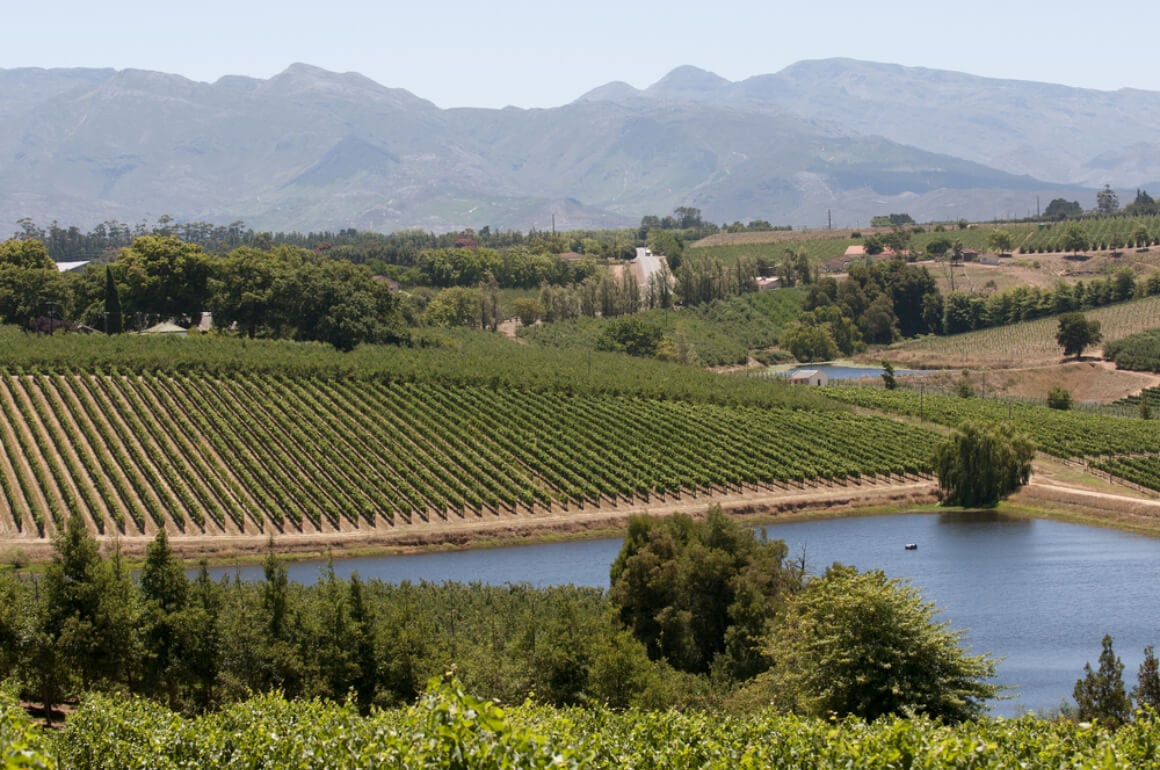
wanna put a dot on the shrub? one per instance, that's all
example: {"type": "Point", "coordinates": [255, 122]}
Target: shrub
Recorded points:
{"type": "Point", "coordinates": [1059, 397]}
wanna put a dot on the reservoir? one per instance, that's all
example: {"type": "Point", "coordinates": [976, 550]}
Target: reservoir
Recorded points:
{"type": "Point", "coordinates": [1039, 594]}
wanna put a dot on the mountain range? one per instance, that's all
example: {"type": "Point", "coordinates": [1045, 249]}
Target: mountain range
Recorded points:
{"type": "Point", "coordinates": [830, 141]}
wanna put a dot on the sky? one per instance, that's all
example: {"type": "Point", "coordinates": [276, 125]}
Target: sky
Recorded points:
{"type": "Point", "coordinates": [544, 54]}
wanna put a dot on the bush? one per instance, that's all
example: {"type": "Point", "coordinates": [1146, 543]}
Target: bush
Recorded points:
{"type": "Point", "coordinates": [1059, 397]}
{"type": "Point", "coordinates": [866, 645]}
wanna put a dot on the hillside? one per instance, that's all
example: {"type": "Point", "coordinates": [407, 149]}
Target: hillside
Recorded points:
{"type": "Point", "coordinates": [310, 149]}
{"type": "Point", "coordinates": [207, 456]}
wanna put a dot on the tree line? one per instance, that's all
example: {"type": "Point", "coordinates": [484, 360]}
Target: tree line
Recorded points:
{"type": "Point", "coordinates": [699, 613]}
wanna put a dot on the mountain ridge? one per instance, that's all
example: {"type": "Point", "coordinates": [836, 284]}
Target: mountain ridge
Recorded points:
{"type": "Point", "coordinates": [306, 149]}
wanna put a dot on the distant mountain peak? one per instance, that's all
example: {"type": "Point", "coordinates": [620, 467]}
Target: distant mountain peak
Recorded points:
{"type": "Point", "coordinates": [688, 81]}
{"type": "Point", "coordinates": [615, 91]}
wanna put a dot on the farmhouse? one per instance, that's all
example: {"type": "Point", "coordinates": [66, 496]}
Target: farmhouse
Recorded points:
{"type": "Point", "coordinates": [814, 377]}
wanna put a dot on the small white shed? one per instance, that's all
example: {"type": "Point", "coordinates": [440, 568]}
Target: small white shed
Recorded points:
{"type": "Point", "coordinates": [815, 377]}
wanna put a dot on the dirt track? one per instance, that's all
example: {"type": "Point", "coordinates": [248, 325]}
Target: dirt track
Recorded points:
{"type": "Point", "coordinates": [460, 533]}
{"type": "Point", "coordinates": [1128, 510]}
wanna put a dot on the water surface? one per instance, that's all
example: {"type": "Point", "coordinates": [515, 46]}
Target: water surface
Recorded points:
{"type": "Point", "coordinates": [1039, 594]}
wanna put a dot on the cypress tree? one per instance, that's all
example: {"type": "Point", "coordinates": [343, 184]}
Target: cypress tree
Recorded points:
{"type": "Point", "coordinates": [114, 321]}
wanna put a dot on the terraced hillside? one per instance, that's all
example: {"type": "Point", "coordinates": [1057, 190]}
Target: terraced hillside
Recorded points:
{"type": "Point", "coordinates": [257, 453]}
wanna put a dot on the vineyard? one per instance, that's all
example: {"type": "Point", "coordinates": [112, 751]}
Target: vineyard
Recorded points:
{"type": "Point", "coordinates": [1066, 434]}
{"type": "Point", "coordinates": [449, 728]}
{"type": "Point", "coordinates": [263, 453]}
{"type": "Point", "coordinates": [1127, 449]}
{"type": "Point", "coordinates": [1101, 234]}
{"type": "Point", "coordinates": [1025, 342]}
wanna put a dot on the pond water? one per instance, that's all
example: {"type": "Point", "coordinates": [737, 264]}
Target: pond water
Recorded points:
{"type": "Point", "coordinates": [1039, 594]}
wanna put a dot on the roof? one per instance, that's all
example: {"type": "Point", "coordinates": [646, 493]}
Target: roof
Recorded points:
{"type": "Point", "coordinates": [65, 267]}
{"type": "Point", "coordinates": [166, 327]}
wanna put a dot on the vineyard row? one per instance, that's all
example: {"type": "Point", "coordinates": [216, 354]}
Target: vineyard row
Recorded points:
{"type": "Point", "coordinates": [259, 454]}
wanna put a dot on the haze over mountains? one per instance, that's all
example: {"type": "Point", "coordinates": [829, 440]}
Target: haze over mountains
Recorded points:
{"type": "Point", "coordinates": [310, 149]}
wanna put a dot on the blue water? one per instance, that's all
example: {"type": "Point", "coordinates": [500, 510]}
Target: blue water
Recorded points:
{"type": "Point", "coordinates": [1039, 594]}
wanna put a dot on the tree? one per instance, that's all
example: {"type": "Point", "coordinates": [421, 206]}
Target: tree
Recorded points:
{"type": "Point", "coordinates": [1143, 206]}
{"type": "Point", "coordinates": [980, 463]}
{"type": "Point", "coordinates": [633, 335]}
{"type": "Point", "coordinates": [1060, 208]}
{"type": "Point", "coordinates": [1059, 397]}
{"type": "Point", "coordinates": [1100, 695]}
{"type": "Point", "coordinates": [1140, 236]}
{"type": "Point", "coordinates": [1000, 241]}
{"type": "Point", "coordinates": [164, 592]}
{"type": "Point", "coordinates": [1107, 202]}
{"type": "Point", "coordinates": [809, 343]}
{"type": "Point", "coordinates": [888, 379]}
{"type": "Point", "coordinates": [87, 609]}
{"type": "Point", "coordinates": [1076, 332]}
{"type": "Point", "coordinates": [164, 277]}
{"type": "Point", "coordinates": [527, 309]}
{"type": "Point", "coordinates": [866, 645]}
{"type": "Point", "coordinates": [692, 591]}
{"type": "Point", "coordinates": [1075, 239]}
{"type": "Point", "coordinates": [1147, 689]}
{"type": "Point", "coordinates": [114, 320]}
{"type": "Point", "coordinates": [1145, 406]}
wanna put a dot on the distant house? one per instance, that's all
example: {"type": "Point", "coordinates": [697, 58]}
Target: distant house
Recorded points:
{"type": "Point", "coordinates": [768, 283]}
{"type": "Point", "coordinates": [815, 377]}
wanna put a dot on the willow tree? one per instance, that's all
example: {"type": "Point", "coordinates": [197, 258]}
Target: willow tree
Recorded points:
{"type": "Point", "coordinates": [981, 463]}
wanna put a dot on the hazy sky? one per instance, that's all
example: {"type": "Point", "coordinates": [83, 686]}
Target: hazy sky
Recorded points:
{"type": "Point", "coordinates": [539, 54]}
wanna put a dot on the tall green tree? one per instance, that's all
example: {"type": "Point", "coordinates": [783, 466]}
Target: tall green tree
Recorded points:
{"type": "Point", "coordinates": [88, 608]}
{"type": "Point", "coordinates": [866, 645]}
{"type": "Point", "coordinates": [30, 285]}
{"type": "Point", "coordinates": [1076, 332]}
{"type": "Point", "coordinates": [1060, 208]}
{"type": "Point", "coordinates": [164, 595]}
{"type": "Point", "coordinates": [164, 278]}
{"type": "Point", "coordinates": [1107, 202]}
{"type": "Point", "coordinates": [694, 591]}
{"type": "Point", "coordinates": [1100, 695]}
{"type": "Point", "coordinates": [114, 318]}
{"type": "Point", "coordinates": [981, 463]}
{"type": "Point", "coordinates": [1000, 241]}
{"type": "Point", "coordinates": [1075, 239]}
{"type": "Point", "coordinates": [1147, 689]}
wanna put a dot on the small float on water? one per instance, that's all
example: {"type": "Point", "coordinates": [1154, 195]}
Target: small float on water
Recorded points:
{"type": "Point", "coordinates": [911, 546]}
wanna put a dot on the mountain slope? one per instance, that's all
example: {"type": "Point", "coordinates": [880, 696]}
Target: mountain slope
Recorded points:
{"type": "Point", "coordinates": [310, 149]}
